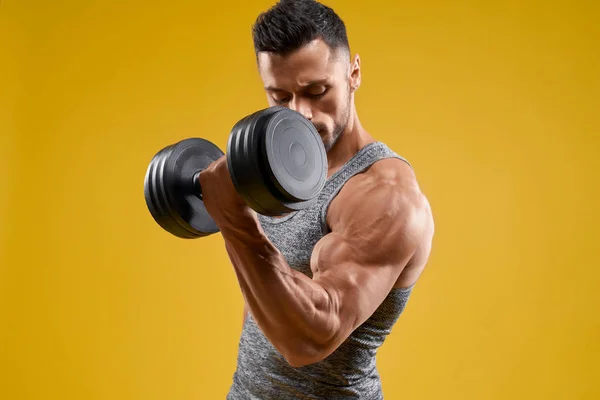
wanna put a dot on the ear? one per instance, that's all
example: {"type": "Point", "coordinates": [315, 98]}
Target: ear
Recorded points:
{"type": "Point", "coordinates": [355, 75]}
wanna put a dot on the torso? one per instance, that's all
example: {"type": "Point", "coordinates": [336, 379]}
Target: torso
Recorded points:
{"type": "Point", "coordinates": [351, 370]}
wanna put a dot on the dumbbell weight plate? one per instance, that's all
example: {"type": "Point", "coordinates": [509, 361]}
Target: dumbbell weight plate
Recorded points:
{"type": "Point", "coordinates": [295, 158]}
{"type": "Point", "coordinates": [155, 196]}
{"type": "Point", "coordinates": [261, 149]}
{"type": "Point", "coordinates": [169, 189]}
{"type": "Point", "coordinates": [243, 161]}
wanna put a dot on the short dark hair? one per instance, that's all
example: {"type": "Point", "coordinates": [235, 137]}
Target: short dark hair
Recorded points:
{"type": "Point", "coordinates": [291, 24]}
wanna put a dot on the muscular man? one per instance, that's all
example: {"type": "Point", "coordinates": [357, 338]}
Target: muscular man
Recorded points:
{"type": "Point", "coordinates": [323, 286]}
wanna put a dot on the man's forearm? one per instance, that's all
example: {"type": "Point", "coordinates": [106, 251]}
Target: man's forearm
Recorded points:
{"type": "Point", "coordinates": [293, 311]}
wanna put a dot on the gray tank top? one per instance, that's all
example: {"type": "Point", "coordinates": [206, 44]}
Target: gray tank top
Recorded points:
{"type": "Point", "coordinates": [350, 372]}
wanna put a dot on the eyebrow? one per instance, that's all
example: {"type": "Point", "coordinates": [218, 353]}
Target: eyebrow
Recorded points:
{"type": "Point", "coordinates": [309, 84]}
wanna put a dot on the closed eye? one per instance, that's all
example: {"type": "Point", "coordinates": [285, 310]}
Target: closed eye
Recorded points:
{"type": "Point", "coordinates": [309, 95]}
{"type": "Point", "coordinates": [280, 101]}
{"type": "Point", "coordinates": [319, 95]}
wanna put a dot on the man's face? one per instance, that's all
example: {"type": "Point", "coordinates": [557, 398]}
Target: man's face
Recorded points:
{"type": "Point", "coordinates": [316, 82]}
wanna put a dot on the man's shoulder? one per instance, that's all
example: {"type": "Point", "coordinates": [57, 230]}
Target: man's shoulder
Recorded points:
{"type": "Point", "coordinates": [387, 187]}
{"type": "Point", "coordinates": [391, 170]}
{"type": "Point", "coordinates": [391, 174]}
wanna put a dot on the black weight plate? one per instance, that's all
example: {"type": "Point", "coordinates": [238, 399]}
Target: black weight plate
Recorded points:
{"type": "Point", "coordinates": [156, 198]}
{"type": "Point", "coordinates": [244, 166]}
{"type": "Point", "coordinates": [169, 189]}
{"type": "Point", "coordinates": [252, 171]}
{"type": "Point", "coordinates": [259, 189]}
{"type": "Point", "coordinates": [295, 156]}
{"type": "Point", "coordinates": [239, 174]}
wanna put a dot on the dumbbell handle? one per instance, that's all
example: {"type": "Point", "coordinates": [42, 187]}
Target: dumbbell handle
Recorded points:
{"type": "Point", "coordinates": [196, 183]}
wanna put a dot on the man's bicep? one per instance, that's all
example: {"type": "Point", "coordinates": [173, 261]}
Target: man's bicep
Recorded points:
{"type": "Point", "coordinates": [355, 280]}
{"type": "Point", "coordinates": [371, 242]}
{"type": "Point", "coordinates": [354, 286]}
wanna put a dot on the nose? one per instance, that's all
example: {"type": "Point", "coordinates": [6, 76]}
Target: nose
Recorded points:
{"type": "Point", "coordinates": [303, 107]}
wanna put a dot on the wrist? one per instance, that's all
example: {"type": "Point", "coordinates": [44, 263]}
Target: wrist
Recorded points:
{"type": "Point", "coordinates": [245, 235]}
{"type": "Point", "coordinates": [237, 219]}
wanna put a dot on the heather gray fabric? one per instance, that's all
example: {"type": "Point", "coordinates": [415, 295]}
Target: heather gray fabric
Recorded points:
{"type": "Point", "coordinates": [348, 373]}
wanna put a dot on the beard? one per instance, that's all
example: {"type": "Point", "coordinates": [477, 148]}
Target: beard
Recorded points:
{"type": "Point", "coordinates": [331, 136]}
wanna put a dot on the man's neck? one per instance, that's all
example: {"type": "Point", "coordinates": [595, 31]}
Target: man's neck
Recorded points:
{"type": "Point", "coordinates": [354, 138]}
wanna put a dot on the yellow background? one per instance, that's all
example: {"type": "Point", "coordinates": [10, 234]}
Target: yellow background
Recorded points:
{"type": "Point", "coordinates": [495, 104]}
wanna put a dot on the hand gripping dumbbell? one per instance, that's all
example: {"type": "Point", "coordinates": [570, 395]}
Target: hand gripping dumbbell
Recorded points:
{"type": "Point", "coordinates": [276, 160]}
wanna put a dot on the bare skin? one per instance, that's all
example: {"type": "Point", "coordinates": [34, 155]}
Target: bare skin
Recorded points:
{"type": "Point", "coordinates": [381, 224]}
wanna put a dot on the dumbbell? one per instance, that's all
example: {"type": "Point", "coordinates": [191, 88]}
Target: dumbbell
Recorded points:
{"type": "Point", "coordinates": [276, 160]}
